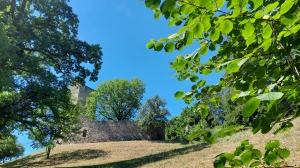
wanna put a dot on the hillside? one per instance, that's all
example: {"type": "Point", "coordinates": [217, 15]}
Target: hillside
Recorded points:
{"type": "Point", "coordinates": [154, 154]}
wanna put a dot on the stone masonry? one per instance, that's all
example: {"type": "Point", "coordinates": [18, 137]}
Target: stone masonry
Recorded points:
{"type": "Point", "coordinates": [102, 131]}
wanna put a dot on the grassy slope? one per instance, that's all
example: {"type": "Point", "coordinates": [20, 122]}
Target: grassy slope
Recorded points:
{"type": "Point", "coordinates": [154, 154]}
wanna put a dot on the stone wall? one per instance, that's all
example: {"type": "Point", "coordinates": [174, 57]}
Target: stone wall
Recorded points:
{"type": "Point", "coordinates": [103, 131]}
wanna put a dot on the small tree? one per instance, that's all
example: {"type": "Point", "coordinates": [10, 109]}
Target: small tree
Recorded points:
{"type": "Point", "coordinates": [56, 128]}
{"type": "Point", "coordinates": [153, 116]}
{"type": "Point", "coordinates": [117, 99]}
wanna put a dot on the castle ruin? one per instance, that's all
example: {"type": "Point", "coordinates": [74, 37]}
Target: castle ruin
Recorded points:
{"type": "Point", "coordinates": [103, 131]}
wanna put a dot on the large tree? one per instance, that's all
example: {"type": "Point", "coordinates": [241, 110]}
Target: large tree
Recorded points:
{"type": "Point", "coordinates": [40, 58]}
{"type": "Point", "coordinates": [257, 44]}
{"type": "Point", "coordinates": [117, 99]}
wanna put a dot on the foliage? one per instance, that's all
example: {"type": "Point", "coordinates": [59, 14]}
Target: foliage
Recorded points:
{"type": "Point", "coordinates": [9, 148]}
{"type": "Point", "coordinates": [152, 116]}
{"type": "Point", "coordinates": [117, 99]}
{"type": "Point", "coordinates": [62, 128]}
{"type": "Point", "coordinates": [245, 155]}
{"type": "Point", "coordinates": [40, 58]}
{"type": "Point", "coordinates": [258, 47]}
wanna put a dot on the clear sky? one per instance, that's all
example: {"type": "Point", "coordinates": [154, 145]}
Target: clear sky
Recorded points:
{"type": "Point", "coordinates": [122, 28]}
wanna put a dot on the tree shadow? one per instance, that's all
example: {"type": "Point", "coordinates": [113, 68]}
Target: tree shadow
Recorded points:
{"type": "Point", "coordinates": [56, 159]}
{"type": "Point", "coordinates": [136, 162]}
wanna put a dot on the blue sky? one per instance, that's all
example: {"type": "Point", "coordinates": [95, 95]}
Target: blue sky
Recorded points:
{"type": "Point", "coordinates": [122, 28]}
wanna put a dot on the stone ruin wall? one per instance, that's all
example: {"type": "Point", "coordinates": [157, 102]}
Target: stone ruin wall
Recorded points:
{"type": "Point", "coordinates": [103, 131]}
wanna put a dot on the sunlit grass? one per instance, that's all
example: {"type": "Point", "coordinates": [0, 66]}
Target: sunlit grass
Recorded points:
{"type": "Point", "coordinates": [155, 154]}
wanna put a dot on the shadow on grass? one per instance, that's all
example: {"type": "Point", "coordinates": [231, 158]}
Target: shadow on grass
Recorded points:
{"type": "Point", "coordinates": [150, 158]}
{"type": "Point", "coordinates": [56, 159]}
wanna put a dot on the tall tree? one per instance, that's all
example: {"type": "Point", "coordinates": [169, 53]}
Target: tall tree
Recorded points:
{"type": "Point", "coordinates": [40, 58]}
{"type": "Point", "coordinates": [152, 116]}
{"type": "Point", "coordinates": [117, 99]}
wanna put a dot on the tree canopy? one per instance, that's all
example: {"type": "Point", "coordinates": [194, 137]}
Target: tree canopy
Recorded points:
{"type": "Point", "coordinates": [153, 113]}
{"type": "Point", "coordinates": [40, 58]}
{"type": "Point", "coordinates": [117, 99]}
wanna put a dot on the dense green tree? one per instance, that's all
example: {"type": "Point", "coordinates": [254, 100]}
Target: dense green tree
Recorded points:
{"type": "Point", "coordinates": [9, 148]}
{"type": "Point", "coordinates": [53, 130]}
{"type": "Point", "coordinates": [40, 58]}
{"type": "Point", "coordinates": [152, 117]}
{"type": "Point", "coordinates": [117, 99]}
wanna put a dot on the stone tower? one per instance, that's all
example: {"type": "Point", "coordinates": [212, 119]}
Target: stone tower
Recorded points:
{"type": "Point", "coordinates": [80, 93]}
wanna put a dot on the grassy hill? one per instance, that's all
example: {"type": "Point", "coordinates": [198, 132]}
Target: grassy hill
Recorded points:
{"type": "Point", "coordinates": [154, 154]}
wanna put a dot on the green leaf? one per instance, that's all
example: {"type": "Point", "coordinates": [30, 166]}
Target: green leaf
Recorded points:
{"type": "Point", "coordinates": [167, 7]}
{"type": "Point", "coordinates": [246, 157]}
{"type": "Point", "coordinates": [238, 151]}
{"type": "Point", "coordinates": [150, 45]}
{"type": "Point", "coordinates": [258, 14]}
{"type": "Point", "coordinates": [152, 4]}
{"type": "Point", "coordinates": [212, 47]}
{"type": "Point", "coordinates": [255, 164]}
{"type": "Point", "coordinates": [250, 107]}
{"type": "Point", "coordinates": [206, 23]}
{"type": "Point", "coordinates": [158, 46]}
{"type": "Point", "coordinates": [204, 3]}
{"type": "Point", "coordinates": [256, 154]}
{"type": "Point", "coordinates": [256, 3]}
{"type": "Point", "coordinates": [248, 30]}
{"type": "Point", "coordinates": [228, 156]}
{"type": "Point", "coordinates": [260, 72]}
{"type": "Point", "coordinates": [197, 29]}
{"type": "Point", "coordinates": [288, 19]}
{"type": "Point", "coordinates": [215, 34]}
{"type": "Point", "coordinates": [278, 164]}
{"type": "Point", "coordinates": [271, 158]}
{"type": "Point", "coordinates": [219, 3]}
{"type": "Point", "coordinates": [270, 7]}
{"type": "Point", "coordinates": [201, 83]}
{"type": "Point", "coordinates": [203, 50]}
{"type": "Point", "coordinates": [174, 36]}
{"type": "Point", "coordinates": [179, 94]}
{"type": "Point", "coordinates": [197, 133]}
{"type": "Point", "coordinates": [283, 153]}
{"type": "Point", "coordinates": [169, 47]}
{"type": "Point", "coordinates": [243, 3]}
{"type": "Point", "coordinates": [226, 26]}
{"type": "Point", "coordinates": [206, 71]}
{"type": "Point", "coordinates": [220, 162]}
{"type": "Point", "coordinates": [204, 111]}
{"type": "Point", "coordinates": [286, 6]}
{"type": "Point", "coordinates": [251, 40]}
{"type": "Point", "coordinates": [183, 29]}
{"type": "Point", "coordinates": [284, 127]}
{"type": "Point", "coordinates": [272, 144]}
{"type": "Point", "coordinates": [261, 83]}
{"type": "Point", "coordinates": [270, 96]}
{"type": "Point", "coordinates": [194, 78]}
{"type": "Point", "coordinates": [267, 32]}
{"type": "Point", "coordinates": [189, 38]}
{"type": "Point", "coordinates": [157, 15]}
{"type": "Point", "coordinates": [272, 109]}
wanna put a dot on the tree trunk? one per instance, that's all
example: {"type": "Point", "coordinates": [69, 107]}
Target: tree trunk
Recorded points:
{"type": "Point", "coordinates": [48, 152]}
